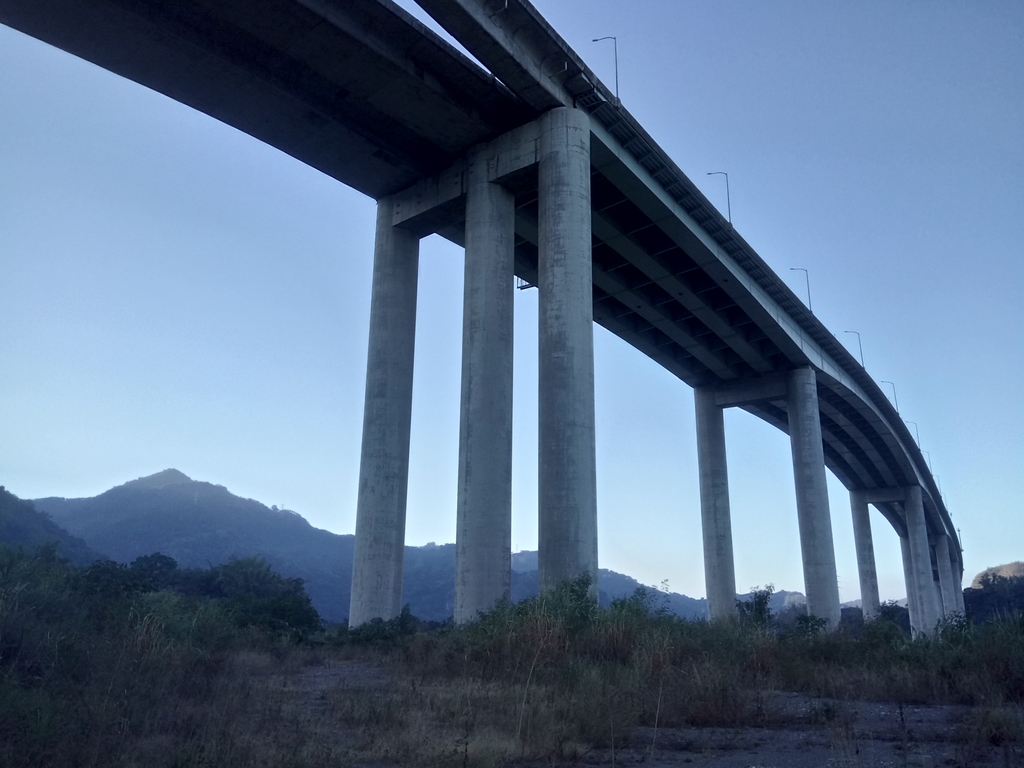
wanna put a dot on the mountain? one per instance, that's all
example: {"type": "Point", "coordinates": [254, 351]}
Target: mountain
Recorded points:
{"type": "Point", "coordinates": [24, 526]}
{"type": "Point", "coordinates": [200, 524]}
{"type": "Point", "coordinates": [1007, 571]}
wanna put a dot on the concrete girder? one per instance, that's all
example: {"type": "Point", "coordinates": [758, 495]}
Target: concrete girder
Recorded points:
{"type": "Point", "coordinates": [771, 388]}
{"type": "Point", "coordinates": [841, 456]}
{"type": "Point", "coordinates": [622, 324]}
{"type": "Point", "coordinates": [282, 72]}
{"type": "Point", "coordinates": [852, 422]}
{"type": "Point", "coordinates": [637, 304]}
{"type": "Point", "coordinates": [636, 183]}
{"type": "Point", "coordinates": [606, 231]}
{"type": "Point", "coordinates": [608, 282]}
{"type": "Point", "coordinates": [515, 43]}
{"type": "Point", "coordinates": [423, 206]}
{"type": "Point", "coordinates": [654, 320]}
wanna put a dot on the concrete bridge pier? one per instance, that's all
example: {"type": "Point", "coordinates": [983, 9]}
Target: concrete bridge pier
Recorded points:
{"type": "Point", "coordinates": [923, 587]}
{"type": "Point", "coordinates": [819, 557]}
{"type": "Point", "coordinates": [567, 479]}
{"type": "Point", "coordinates": [719, 567]}
{"type": "Point", "coordinates": [384, 463]}
{"type": "Point", "coordinates": [913, 601]}
{"type": "Point", "coordinates": [865, 555]}
{"type": "Point", "coordinates": [484, 509]}
{"type": "Point", "coordinates": [947, 586]}
{"type": "Point", "coordinates": [958, 587]}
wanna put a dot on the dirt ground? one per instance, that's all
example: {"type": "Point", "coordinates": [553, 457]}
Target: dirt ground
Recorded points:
{"type": "Point", "coordinates": [823, 732]}
{"type": "Point", "coordinates": [810, 732]}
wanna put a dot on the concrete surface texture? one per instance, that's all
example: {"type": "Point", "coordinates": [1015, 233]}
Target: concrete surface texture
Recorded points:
{"type": "Point", "coordinates": [719, 568]}
{"type": "Point", "coordinates": [927, 597]}
{"type": "Point", "coordinates": [819, 557]}
{"type": "Point", "coordinates": [865, 555]}
{"type": "Point", "coordinates": [567, 464]}
{"type": "Point", "coordinates": [483, 540]}
{"type": "Point", "coordinates": [384, 463]}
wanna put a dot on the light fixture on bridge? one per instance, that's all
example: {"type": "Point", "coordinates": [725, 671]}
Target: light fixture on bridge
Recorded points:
{"type": "Point", "coordinates": [859, 346]}
{"type": "Point", "coordinates": [807, 279]}
{"type": "Point", "coordinates": [929, 457]}
{"type": "Point", "coordinates": [918, 433]}
{"type": "Point", "coordinates": [728, 196]}
{"type": "Point", "coordinates": [615, 45]}
{"type": "Point", "coordinates": [895, 400]}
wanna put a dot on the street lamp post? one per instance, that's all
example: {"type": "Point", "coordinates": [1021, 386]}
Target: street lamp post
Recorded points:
{"type": "Point", "coordinates": [926, 453]}
{"type": "Point", "coordinates": [916, 431]}
{"type": "Point", "coordinates": [895, 399]}
{"type": "Point", "coordinates": [859, 346]}
{"type": "Point", "coordinates": [807, 279]}
{"type": "Point", "coordinates": [728, 196]}
{"type": "Point", "coordinates": [615, 48]}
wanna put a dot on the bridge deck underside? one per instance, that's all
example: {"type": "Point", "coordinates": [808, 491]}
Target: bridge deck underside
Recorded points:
{"type": "Point", "coordinates": [358, 90]}
{"type": "Point", "coordinates": [364, 93]}
{"type": "Point", "coordinates": [652, 294]}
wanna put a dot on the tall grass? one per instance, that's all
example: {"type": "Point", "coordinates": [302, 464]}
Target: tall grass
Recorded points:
{"type": "Point", "coordinates": [95, 671]}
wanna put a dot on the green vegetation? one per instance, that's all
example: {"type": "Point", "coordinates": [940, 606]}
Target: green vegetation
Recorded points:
{"type": "Point", "coordinates": [154, 665]}
{"type": "Point", "coordinates": [108, 664]}
{"type": "Point", "coordinates": [994, 597]}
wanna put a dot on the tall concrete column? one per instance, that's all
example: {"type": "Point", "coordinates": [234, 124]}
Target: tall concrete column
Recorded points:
{"type": "Point", "coordinates": [921, 561]}
{"type": "Point", "coordinates": [567, 474]}
{"type": "Point", "coordinates": [719, 569]}
{"type": "Point", "coordinates": [947, 586]}
{"type": "Point", "coordinates": [958, 583]}
{"type": "Point", "coordinates": [869, 602]}
{"type": "Point", "coordinates": [384, 464]}
{"type": "Point", "coordinates": [483, 542]}
{"type": "Point", "coordinates": [913, 601]}
{"type": "Point", "coordinates": [819, 558]}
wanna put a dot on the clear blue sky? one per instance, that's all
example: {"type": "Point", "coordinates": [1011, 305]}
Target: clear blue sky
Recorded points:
{"type": "Point", "coordinates": [176, 294]}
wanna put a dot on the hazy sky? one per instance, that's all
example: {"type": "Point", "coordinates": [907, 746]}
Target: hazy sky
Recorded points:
{"type": "Point", "coordinates": [174, 293]}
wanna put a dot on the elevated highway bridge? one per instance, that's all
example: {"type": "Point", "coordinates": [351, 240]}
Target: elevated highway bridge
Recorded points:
{"type": "Point", "coordinates": [538, 170]}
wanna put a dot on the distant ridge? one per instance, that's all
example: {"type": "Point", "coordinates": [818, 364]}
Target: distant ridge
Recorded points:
{"type": "Point", "coordinates": [1007, 571]}
{"type": "Point", "coordinates": [200, 524]}
{"type": "Point", "coordinates": [25, 527]}
{"type": "Point", "coordinates": [160, 480]}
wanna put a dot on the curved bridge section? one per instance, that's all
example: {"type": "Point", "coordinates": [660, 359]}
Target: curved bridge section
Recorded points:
{"type": "Point", "coordinates": [535, 168]}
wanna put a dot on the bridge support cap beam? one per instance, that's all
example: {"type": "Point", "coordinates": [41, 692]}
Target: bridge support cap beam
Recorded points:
{"type": "Point", "coordinates": [819, 557]}
{"type": "Point", "coordinates": [921, 562]}
{"type": "Point", "coordinates": [483, 541]}
{"type": "Point", "coordinates": [719, 568]}
{"type": "Point", "coordinates": [866, 571]}
{"type": "Point", "coordinates": [384, 462]}
{"type": "Point", "coordinates": [567, 476]}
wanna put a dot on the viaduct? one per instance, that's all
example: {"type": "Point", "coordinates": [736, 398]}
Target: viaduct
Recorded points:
{"type": "Point", "coordinates": [540, 173]}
